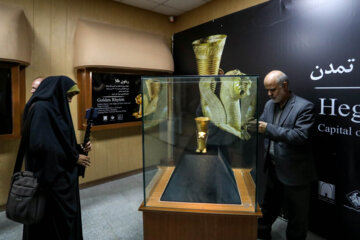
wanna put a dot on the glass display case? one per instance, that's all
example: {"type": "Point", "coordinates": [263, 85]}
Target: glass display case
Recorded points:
{"type": "Point", "coordinates": [200, 142]}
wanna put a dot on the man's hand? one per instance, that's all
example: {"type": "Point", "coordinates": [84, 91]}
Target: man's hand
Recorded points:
{"type": "Point", "coordinates": [83, 160]}
{"type": "Point", "coordinates": [87, 147]}
{"type": "Point", "coordinates": [251, 125]}
{"type": "Point", "coordinates": [262, 126]}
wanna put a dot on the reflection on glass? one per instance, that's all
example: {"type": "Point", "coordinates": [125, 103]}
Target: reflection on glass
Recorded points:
{"type": "Point", "coordinates": [154, 102]}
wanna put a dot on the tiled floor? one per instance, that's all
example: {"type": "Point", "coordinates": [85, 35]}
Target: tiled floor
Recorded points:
{"type": "Point", "coordinates": [110, 212]}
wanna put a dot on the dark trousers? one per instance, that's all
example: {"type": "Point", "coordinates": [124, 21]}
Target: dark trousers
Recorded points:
{"type": "Point", "coordinates": [295, 201]}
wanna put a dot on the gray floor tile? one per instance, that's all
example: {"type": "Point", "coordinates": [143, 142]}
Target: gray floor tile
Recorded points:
{"type": "Point", "coordinates": [110, 212]}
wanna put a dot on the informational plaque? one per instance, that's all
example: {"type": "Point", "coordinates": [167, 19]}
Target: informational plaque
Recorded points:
{"type": "Point", "coordinates": [6, 121]}
{"type": "Point", "coordinates": [117, 98]}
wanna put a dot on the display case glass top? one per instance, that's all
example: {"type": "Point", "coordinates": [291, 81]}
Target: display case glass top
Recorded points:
{"type": "Point", "coordinates": [200, 142]}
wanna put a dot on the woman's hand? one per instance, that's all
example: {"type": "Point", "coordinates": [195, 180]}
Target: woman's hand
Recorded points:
{"type": "Point", "coordinates": [87, 147]}
{"type": "Point", "coordinates": [83, 160]}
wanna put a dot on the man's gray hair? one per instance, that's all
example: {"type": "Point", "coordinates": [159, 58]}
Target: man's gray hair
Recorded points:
{"type": "Point", "coordinates": [282, 78]}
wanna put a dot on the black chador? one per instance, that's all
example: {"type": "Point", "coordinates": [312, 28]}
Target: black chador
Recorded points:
{"type": "Point", "coordinates": [52, 153]}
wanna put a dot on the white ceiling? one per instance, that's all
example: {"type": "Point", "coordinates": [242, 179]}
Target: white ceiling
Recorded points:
{"type": "Point", "coordinates": [166, 7]}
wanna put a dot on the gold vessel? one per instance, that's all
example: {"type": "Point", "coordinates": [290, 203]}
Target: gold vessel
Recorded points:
{"type": "Point", "coordinates": [138, 100]}
{"type": "Point", "coordinates": [208, 53]}
{"type": "Point", "coordinates": [201, 133]}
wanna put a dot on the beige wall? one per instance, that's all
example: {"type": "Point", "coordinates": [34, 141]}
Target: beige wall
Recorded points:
{"type": "Point", "coordinates": [212, 10]}
{"type": "Point", "coordinates": [53, 23]}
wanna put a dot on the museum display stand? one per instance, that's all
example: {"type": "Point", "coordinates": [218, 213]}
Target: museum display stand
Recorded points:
{"type": "Point", "coordinates": [199, 157]}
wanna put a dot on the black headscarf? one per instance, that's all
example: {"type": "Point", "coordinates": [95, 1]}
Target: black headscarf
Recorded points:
{"type": "Point", "coordinates": [53, 89]}
{"type": "Point", "coordinates": [52, 144]}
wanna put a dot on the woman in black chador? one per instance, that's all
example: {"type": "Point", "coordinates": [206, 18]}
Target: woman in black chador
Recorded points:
{"type": "Point", "coordinates": [54, 156]}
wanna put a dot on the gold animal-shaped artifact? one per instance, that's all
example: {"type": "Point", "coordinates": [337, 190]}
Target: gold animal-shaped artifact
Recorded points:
{"type": "Point", "coordinates": [225, 111]}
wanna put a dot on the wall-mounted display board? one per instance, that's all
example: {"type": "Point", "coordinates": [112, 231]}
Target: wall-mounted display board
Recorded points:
{"type": "Point", "coordinates": [115, 93]}
{"type": "Point", "coordinates": [12, 99]}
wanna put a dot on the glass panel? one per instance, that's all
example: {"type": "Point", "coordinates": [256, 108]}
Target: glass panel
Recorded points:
{"type": "Point", "coordinates": [197, 144]}
{"type": "Point", "coordinates": [6, 126]}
